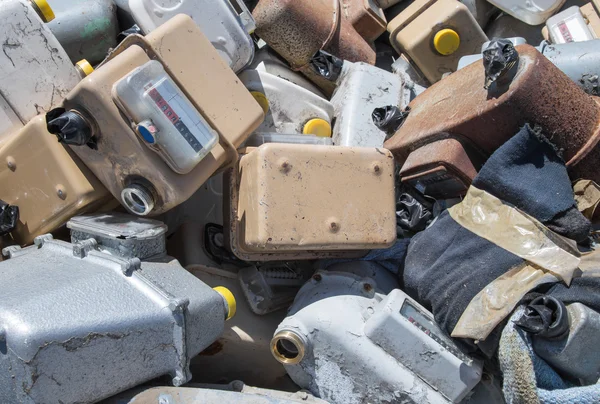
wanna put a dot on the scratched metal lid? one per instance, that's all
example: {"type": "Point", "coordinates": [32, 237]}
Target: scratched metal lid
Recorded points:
{"type": "Point", "coordinates": [118, 226]}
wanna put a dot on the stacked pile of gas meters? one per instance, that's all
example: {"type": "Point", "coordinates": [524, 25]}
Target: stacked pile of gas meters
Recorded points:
{"type": "Point", "coordinates": [165, 164]}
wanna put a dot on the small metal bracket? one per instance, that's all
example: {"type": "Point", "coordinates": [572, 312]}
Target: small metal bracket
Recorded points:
{"type": "Point", "coordinates": [40, 240]}
{"type": "Point", "coordinates": [82, 248]}
{"type": "Point", "coordinates": [131, 265]}
{"type": "Point", "coordinates": [10, 251]}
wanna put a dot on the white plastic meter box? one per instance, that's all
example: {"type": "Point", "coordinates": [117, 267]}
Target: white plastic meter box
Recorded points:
{"type": "Point", "coordinates": [288, 107]}
{"type": "Point", "coordinates": [532, 12]}
{"type": "Point", "coordinates": [267, 60]}
{"type": "Point", "coordinates": [151, 127]}
{"type": "Point", "coordinates": [568, 26]}
{"type": "Point", "coordinates": [360, 89]}
{"type": "Point", "coordinates": [226, 23]}
{"type": "Point", "coordinates": [35, 71]}
{"type": "Point", "coordinates": [350, 334]}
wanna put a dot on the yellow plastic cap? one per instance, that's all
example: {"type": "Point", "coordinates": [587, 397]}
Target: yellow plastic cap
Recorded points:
{"type": "Point", "coordinates": [446, 41]}
{"type": "Point", "coordinates": [43, 9]}
{"type": "Point", "coordinates": [229, 298]}
{"type": "Point", "coordinates": [317, 126]}
{"type": "Point", "coordinates": [85, 67]}
{"type": "Point", "coordinates": [262, 100]}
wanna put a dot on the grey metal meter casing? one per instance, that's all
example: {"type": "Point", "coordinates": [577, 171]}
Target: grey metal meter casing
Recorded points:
{"type": "Point", "coordinates": [121, 234]}
{"type": "Point", "coordinates": [82, 328]}
{"type": "Point", "coordinates": [364, 342]}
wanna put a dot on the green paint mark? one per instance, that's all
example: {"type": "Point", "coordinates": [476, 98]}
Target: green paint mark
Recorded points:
{"type": "Point", "coordinates": [91, 29]}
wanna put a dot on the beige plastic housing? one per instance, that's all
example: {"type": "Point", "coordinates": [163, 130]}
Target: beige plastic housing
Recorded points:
{"type": "Point", "coordinates": [122, 160]}
{"type": "Point", "coordinates": [307, 201]}
{"type": "Point", "coordinates": [412, 32]}
{"type": "Point", "coordinates": [592, 18]}
{"type": "Point", "coordinates": [46, 181]}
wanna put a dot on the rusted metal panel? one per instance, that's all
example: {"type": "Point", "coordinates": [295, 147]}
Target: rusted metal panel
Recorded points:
{"type": "Point", "coordinates": [298, 29]}
{"type": "Point", "coordinates": [538, 94]}
{"type": "Point", "coordinates": [366, 17]}
{"type": "Point", "coordinates": [441, 169]}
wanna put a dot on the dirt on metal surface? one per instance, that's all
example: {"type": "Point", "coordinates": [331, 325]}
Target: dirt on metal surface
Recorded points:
{"type": "Point", "coordinates": [298, 29]}
{"type": "Point", "coordinates": [444, 161]}
{"type": "Point", "coordinates": [368, 19]}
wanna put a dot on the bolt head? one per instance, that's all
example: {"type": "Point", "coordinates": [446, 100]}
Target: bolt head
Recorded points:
{"type": "Point", "coordinates": [284, 165]}
{"type": "Point", "coordinates": [11, 163]}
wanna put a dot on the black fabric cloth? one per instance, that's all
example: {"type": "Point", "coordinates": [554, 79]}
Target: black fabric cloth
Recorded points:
{"type": "Point", "coordinates": [528, 173]}
{"type": "Point", "coordinates": [583, 290]}
{"type": "Point", "coordinates": [447, 265]}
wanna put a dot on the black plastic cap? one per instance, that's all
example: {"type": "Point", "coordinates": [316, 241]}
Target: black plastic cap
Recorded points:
{"type": "Point", "coordinates": [70, 128]}
{"type": "Point", "coordinates": [326, 65]}
{"type": "Point", "coordinates": [545, 317]}
{"type": "Point", "coordinates": [499, 57]}
{"type": "Point", "coordinates": [389, 119]}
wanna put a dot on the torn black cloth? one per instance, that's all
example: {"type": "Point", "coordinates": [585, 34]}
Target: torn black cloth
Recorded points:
{"type": "Point", "coordinates": [447, 265]}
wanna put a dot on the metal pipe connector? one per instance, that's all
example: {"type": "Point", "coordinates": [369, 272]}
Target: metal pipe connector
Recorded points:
{"type": "Point", "coordinates": [288, 347]}
{"type": "Point", "coordinates": [138, 199]}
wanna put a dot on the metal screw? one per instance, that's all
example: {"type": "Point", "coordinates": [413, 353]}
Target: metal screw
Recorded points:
{"type": "Point", "coordinates": [334, 227]}
{"type": "Point", "coordinates": [61, 192]}
{"type": "Point", "coordinates": [376, 169]}
{"type": "Point", "coordinates": [317, 277]}
{"type": "Point", "coordinates": [367, 287]}
{"type": "Point", "coordinates": [11, 163]}
{"type": "Point", "coordinates": [284, 166]}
